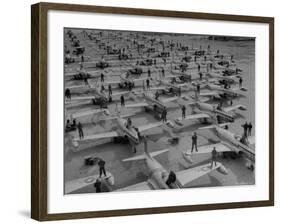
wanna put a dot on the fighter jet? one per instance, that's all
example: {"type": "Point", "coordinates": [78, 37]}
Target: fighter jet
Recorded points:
{"type": "Point", "coordinates": [124, 129]}
{"type": "Point", "coordinates": [200, 106]}
{"type": "Point", "coordinates": [218, 91]}
{"type": "Point", "coordinates": [166, 86]}
{"type": "Point", "coordinates": [99, 98]}
{"type": "Point", "coordinates": [228, 142]}
{"type": "Point", "coordinates": [125, 81]}
{"type": "Point", "coordinates": [151, 101]}
{"type": "Point", "coordinates": [160, 178]}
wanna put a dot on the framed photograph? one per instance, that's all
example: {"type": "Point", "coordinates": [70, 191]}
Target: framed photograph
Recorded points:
{"type": "Point", "coordinates": [141, 111]}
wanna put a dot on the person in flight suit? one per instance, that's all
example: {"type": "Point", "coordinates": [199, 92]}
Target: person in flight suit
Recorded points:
{"type": "Point", "coordinates": [183, 109]}
{"type": "Point", "coordinates": [214, 157]}
{"type": "Point", "coordinates": [101, 165]}
{"type": "Point", "coordinates": [194, 142]}
{"type": "Point", "coordinates": [97, 185]}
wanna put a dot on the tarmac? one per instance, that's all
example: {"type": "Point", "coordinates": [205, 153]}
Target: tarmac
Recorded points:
{"type": "Point", "coordinates": [128, 173]}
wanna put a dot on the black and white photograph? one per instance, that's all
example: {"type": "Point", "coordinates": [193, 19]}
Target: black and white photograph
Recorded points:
{"type": "Point", "coordinates": [157, 111]}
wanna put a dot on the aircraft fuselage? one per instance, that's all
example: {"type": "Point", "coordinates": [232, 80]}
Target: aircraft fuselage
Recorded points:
{"type": "Point", "coordinates": [235, 144]}
{"type": "Point", "coordinates": [151, 101]}
{"type": "Point", "coordinates": [131, 133]}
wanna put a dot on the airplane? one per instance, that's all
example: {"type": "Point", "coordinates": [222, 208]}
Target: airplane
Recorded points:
{"type": "Point", "coordinates": [81, 74]}
{"type": "Point", "coordinates": [124, 129]}
{"type": "Point", "coordinates": [100, 97]}
{"type": "Point", "coordinates": [77, 184]}
{"type": "Point", "coordinates": [150, 101]}
{"type": "Point", "coordinates": [166, 86]}
{"type": "Point", "coordinates": [203, 107]}
{"type": "Point", "coordinates": [85, 113]}
{"type": "Point", "coordinates": [217, 75]}
{"type": "Point", "coordinates": [159, 176]}
{"type": "Point", "coordinates": [125, 81]}
{"type": "Point", "coordinates": [219, 92]}
{"type": "Point", "coordinates": [228, 143]}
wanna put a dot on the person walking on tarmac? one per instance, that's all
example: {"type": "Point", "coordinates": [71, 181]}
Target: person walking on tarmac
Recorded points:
{"type": "Point", "coordinates": [109, 90]}
{"type": "Point", "coordinates": [157, 95]}
{"type": "Point", "coordinates": [240, 82]}
{"type": "Point", "coordinates": [198, 88]}
{"type": "Point", "coordinates": [80, 130]}
{"type": "Point", "coordinates": [102, 77]}
{"type": "Point", "coordinates": [122, 99]}
{"type": "Point", "coordinates": [163, 72]}
{"type": "Point", "coordinates": [147, 83]}
{"type": "Point", "coordinates": [245, 128]}
{"type": "Point", "coordinates": [149, 73]}
{"type": "Point", "coordinates": [101, 165]}
{"type": "Point", "coordinates": [194, 142]}
{"type": "Point", "coordinates": [214, 157]}
{"type": "Point", "coordinates": [250, 126]}
{"type": "Point", "coordinates": [97, 185]}
{"type": "Point", "coordinates": [164, 115]}
{"type": "Point", "coordinates": [67, 93]}
{"type": "Point", "coordinates": [183, 109]}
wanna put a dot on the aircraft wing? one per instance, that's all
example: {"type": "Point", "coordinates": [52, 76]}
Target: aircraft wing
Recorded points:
{"type": "Point", "coordinates": [212, 93]}
{"type": "Point", "coordinates": [110, 134]}
{"type": "Point", "coordinates": [220, 147]}
{"type": "Point", "coordinates": [149, 126]}
{"type": "Point", "coordinates": [240, 107]}
{"type": "Point", "coordinates": [77, 87]}
{"type": "Point", "coordinates": [186, 176]}
{"type": "Point", "coordinates": [77, 184]}
{"type": "Point", "coordinates": [143, 156]}
{"type": "Point", "coordinates": [136, 187]}
{"type": "Point", "coordinates": [193, 116]}
{"type": "Point", "coordinates": [170, 99]}
{"type": "Point", "coordinates": [86, 113]}
{"type": "Point", "coordinates": [111, 82]}
{"type": "Point", "coordinates": [82, 98]}
{"type": "Point", "coordinates": [142, 104]}
{"type": "Point", "coordinates": [158, 88]}
{"type": "Point", "coordinates": [120, 93]}
{"type": "Point", "coordinates": [70, 73]}
{"type": "Point", "coordinates": [138, 80]}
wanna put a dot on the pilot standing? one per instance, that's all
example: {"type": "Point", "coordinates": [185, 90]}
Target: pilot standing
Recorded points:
{"type": "Point", "coordinates": [97, 185]}
{"type": "Point", "coordinates": [214, 157]}
{"type": "Point", "coordinates": [163, 72]}
{"type": "Point", "coordinates": [80, 130]}
{"type": "Point", "coordinates": [147, 83]}
{"type": "Point", "coordinates": [183, 109]}
{"type": "Point", "coordinates": [245, 128]}
{"type": "Point", "coordinates": [240, 82]}
{"type": "Point", "coordinates": [198, 88]}
{"type": "Point", "coordinates": [157, 95]}
{"type": "Point", "coordinates": [122, 99]}
{"type": "Point", "coordinates": [200, 75]}
{"type": "Point", "coordinates": [250, 126]}
{"type": "Point", "coordinates": [67, 93]}
{"type": "Point", "coordinates": [102, 77]}
{"type": "Point", "coordinates": [164, 115]}
{"type": "Point", "coordinates": [149, 73]}
{"type": "Point", "coordinates": [194, 142]}
{"type": "Point", "coordinates": [101, 165]}
{"type": "Point", "coordinates": [109, 90]}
